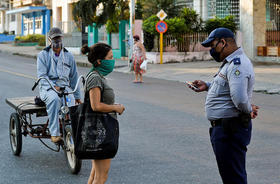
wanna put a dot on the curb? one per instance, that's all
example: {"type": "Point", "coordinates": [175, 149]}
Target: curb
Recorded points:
{"type": "Point", "coordinates": [81, 64]}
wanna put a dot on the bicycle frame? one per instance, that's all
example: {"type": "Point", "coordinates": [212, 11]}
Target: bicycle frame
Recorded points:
{"type": "Point", "coordinates": [62, 93]}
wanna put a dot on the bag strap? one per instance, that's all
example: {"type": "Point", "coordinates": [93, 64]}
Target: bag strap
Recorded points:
{"type": "Point", "coordinates": [86, 96]}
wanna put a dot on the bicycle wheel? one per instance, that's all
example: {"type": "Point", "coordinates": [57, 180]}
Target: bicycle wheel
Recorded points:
{"type": "Point", "coordinates": [15, 134]}
{"type": "Point", "coordinates": [73, 162]}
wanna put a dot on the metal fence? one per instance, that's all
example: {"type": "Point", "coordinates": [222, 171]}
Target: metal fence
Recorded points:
{"type": "Point", "coordinates": [184, 42]}
{"type": "Point", "coordinates": [273, 23]}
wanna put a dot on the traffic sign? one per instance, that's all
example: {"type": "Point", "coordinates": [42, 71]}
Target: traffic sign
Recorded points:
{"type": "Point", "coordinates": [161, 15]}
{"type": "Point", "coordinates": [161, 27]}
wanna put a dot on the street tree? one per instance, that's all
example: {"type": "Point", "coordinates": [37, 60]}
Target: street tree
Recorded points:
{"type": "Point", "coordinates": [193, 21]}
{"type": "Point", "coordinates": [101, 12]}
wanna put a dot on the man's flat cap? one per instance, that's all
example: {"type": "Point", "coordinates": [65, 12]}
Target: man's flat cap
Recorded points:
{"type": "Point", "coordinates": [55, 32]}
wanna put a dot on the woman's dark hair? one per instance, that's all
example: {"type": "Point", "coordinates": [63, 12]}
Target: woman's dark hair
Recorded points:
{"type": "Point", "coordinates": [95, 52]}
{"type": "Point", "coordinates": [136, 37]}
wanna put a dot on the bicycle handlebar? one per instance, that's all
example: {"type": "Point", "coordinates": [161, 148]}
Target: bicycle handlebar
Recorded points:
{"type": "Point", "coordinates": [58, 92]}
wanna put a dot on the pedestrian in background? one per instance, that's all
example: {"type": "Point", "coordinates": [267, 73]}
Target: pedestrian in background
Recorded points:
{"type": "Point", "coordinates": [139, 55]}
{"type": "Point", "coordinates": [102, 98]}
{"type": "Point", "coordinates": [228, 105]}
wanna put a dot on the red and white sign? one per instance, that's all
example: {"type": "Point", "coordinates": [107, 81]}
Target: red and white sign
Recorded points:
{"type": "Point", "coordinates": [161, 27]}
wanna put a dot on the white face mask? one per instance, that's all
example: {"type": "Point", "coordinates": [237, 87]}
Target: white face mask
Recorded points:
{"type": "Point", "coordinates": [56, 44]}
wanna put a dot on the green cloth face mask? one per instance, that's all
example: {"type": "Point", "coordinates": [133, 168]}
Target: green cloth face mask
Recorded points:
{"type": "Point", "coordinates": [106, 67]}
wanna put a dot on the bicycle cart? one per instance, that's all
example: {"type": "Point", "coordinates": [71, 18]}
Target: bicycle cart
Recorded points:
{"type": "Point", "coordinates": [21, 124]}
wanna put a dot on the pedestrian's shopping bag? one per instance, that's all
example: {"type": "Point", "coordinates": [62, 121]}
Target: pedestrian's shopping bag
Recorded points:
{"type": "Point", "coordinates": [143, 66]}
{"type": "Point", "coordinates": [95, 134]}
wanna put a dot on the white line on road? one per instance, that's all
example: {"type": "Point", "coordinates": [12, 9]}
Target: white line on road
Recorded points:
{"type": "Point", "coordinates": [18, 74]}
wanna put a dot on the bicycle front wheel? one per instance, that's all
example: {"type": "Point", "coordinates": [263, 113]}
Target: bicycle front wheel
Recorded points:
{"type": "Point", "coordinates": [73, 162]}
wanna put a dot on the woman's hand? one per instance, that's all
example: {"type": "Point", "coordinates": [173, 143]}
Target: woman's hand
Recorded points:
{"type": "Point", "coordinates": [201, 85]}
{"type": "Point", "coordinates": [119, 108]}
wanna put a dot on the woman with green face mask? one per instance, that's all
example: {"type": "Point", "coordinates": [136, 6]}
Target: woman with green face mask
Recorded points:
{"type": "Point", "coordinates": [101, 96]}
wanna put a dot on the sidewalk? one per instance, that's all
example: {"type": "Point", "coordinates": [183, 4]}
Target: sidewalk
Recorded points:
{"type": "Point", "coordinates": [32, 52]}
{"type": "Point", "coordinates": [267, 76]}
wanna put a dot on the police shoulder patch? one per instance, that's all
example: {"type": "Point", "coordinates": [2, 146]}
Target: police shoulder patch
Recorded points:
{"type": "Point", "coordinates": [236, 61]}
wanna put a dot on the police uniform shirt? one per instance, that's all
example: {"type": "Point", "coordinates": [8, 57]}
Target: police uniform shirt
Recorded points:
{"type": "Point", "coordinates": [230, 92]}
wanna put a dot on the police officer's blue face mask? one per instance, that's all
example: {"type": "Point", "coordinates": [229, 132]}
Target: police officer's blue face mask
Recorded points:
{"type": "Point", "coordinates": [216, 55]}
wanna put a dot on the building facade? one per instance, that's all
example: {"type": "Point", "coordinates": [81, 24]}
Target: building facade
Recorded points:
{"type": "Point", "coordinates": [29, 16]}
{"type": "Point", "coordinates": [258, 22]}
{"type": "Point", "coordinates": [4, 6]}
{"type": "Point", "coordinates": [62, 15]}
{"type": "Point", "coordinates": [185, 3]}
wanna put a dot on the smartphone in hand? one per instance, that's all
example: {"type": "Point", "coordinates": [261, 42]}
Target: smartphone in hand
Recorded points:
{"type": "Point", "coordinates": [190, 84]}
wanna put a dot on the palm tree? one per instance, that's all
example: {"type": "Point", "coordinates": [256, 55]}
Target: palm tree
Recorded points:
{"type": "Point", "coordinates": [100, 11]}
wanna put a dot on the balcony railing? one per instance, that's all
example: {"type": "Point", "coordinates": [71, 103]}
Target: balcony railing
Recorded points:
{"type": "Point", "coordinates": [19, 3]}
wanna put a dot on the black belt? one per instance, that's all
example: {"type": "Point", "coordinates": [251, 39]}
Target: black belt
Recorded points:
{"type": "Point", "coordinates": [217, 122]}
{"type": "Point", "coordinates": [242, 119]}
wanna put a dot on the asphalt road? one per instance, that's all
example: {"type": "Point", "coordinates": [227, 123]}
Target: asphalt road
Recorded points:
{"type": "Point", "coordinates": [163, 135]}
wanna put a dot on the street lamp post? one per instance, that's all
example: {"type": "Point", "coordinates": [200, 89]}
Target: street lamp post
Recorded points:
{"type": "Point", "coordinates": [131, 33]}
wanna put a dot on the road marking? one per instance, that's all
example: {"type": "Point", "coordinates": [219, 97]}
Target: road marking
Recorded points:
{"type": "Point", "coordinates": [18, 74]}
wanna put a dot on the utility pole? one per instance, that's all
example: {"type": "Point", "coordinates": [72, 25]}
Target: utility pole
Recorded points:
{"type": "Point", "coordinates": [132, 28]}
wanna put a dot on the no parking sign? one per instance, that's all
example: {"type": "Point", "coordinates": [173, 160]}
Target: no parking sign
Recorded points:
{"type": "Point", "coordinates": [161, 27]}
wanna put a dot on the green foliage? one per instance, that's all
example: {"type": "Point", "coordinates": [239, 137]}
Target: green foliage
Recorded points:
{"type": "Point", "coordinates": [42, 41]}
{"type": "Point", "coordinates": [152, 7]}
{"type": "Point", "coordinates": [138, 10]}
{"type": "Point", "coordinates": [192, 20]}
{"type": "Point", "coordinates": [176, 26]}
{"type": "Point", "coordinates": [112, 26]}
{"type": "Point", "coordinates": [31, 38]}
{"type": "Point", "coordinates": [227, 22]}
{"type": "Point", "coordinates": [85, 11]}
{"type": "Point", "coordinates": [149, 25]}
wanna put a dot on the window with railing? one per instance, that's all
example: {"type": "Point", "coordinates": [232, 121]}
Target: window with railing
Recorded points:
{"type": "Point", "coordinates": [273, 22]}
{"type": "Point", "coordinates": [13, 18]}
{"type": "Point", "coordinates": [38, 22]}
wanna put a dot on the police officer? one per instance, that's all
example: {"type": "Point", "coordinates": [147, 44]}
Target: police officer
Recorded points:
{"type": "Point", "coordinates": [228, 105]}
{"type": "Point", "coordinates": [58, 65]}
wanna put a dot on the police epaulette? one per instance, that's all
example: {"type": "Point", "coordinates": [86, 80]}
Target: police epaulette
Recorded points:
{"type": "Point", "coordinates": [236, 61]}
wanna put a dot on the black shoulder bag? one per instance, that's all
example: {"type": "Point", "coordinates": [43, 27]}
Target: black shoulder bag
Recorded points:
{"type": "Point", "coordinates": [95, 134]}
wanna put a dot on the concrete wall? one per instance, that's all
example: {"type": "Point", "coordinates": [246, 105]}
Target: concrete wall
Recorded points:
{"type": "Point", "coordinates": [138, 29]}
{"type": "Point", "coordinates": [169, 57]}
{"type": "Point", "coordinates": [252, 25]}
{"type": "Point", "coordinates": [12, 26]}
{"type": "Point", "coordinates": [2, 24]}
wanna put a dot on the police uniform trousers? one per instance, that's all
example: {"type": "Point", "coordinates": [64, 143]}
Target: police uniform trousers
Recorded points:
{"type": "Point", "coordinates": [53, 104]}
{"type": "Point", "coordinates": [230, 151]}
